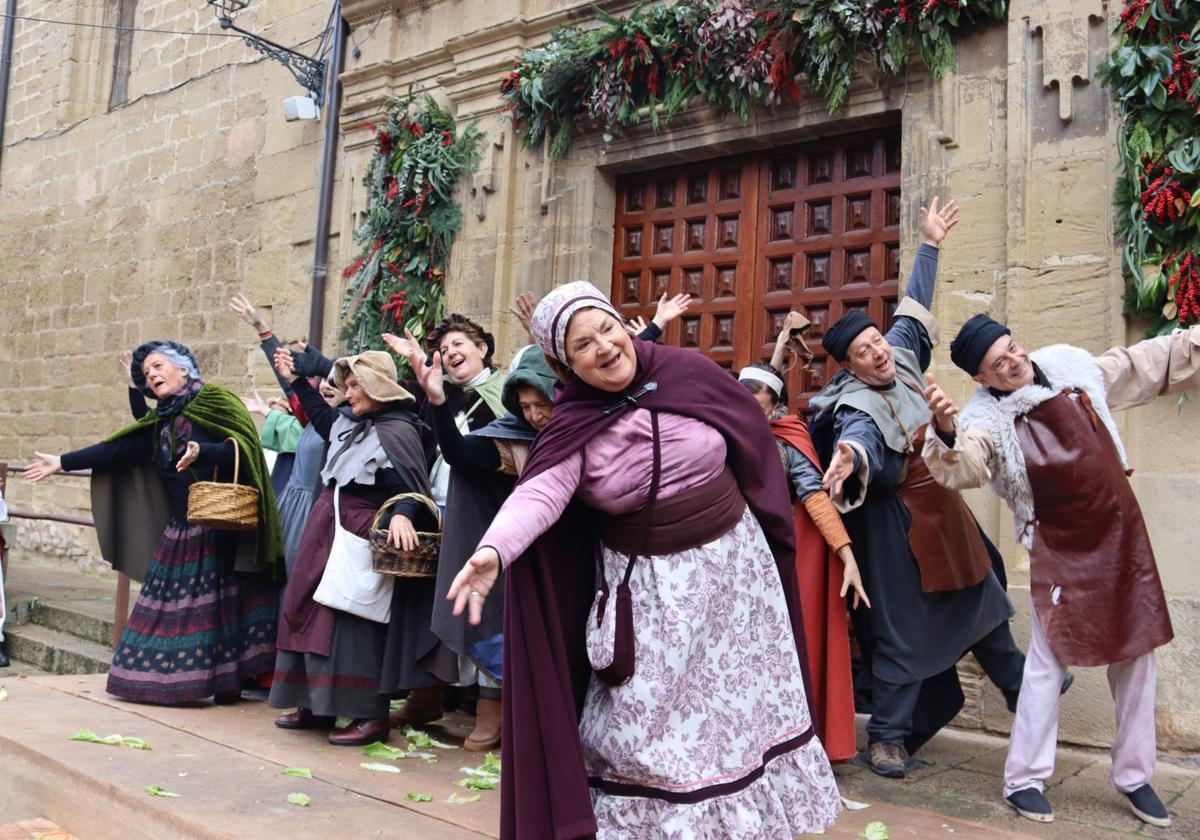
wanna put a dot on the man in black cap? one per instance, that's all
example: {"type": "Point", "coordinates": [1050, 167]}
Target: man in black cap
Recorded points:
{"type": "Point", "coordinates": [929, 572]}
{"type": "Point", "coordinates": [1097, 599]}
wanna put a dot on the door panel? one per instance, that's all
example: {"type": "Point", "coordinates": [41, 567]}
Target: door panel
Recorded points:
{"type": "Point", "coordinates": [812, 227]}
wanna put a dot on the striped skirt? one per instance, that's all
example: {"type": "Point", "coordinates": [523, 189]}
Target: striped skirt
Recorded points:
{"type": "Point", "coordinates": [197, 629]}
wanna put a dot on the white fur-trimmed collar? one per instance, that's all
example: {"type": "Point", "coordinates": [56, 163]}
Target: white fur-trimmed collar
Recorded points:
{"type": "Point", "coordinates": [1064, 367]}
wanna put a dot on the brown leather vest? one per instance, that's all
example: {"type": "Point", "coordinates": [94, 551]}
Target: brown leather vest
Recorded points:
{"type": "Point", "coordinates": [1092, 575]}
{"type": "Point", "coordinates": [943, 536]}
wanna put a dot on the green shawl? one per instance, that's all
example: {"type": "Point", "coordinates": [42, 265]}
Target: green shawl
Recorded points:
{"type": "Point", "coordinates": [491, 392]}
{"type": "Point", "coordinates": [220, 412]}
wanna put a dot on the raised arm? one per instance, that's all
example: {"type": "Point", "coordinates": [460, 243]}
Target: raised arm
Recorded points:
{"type": "Point", "coordinates": [915, 327]}
{"type": "Point", "coordinates": [241, 306]}
{"type": "Point", "coordinates": [462, 452]}
{"type": "Point", "coordinates": [1152, 368]}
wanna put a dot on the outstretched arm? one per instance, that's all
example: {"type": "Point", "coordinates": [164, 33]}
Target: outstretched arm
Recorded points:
{"type": "Point", "coordinates": [915, 328]}
{"type": "Point", "coordinates": [1152, 368]}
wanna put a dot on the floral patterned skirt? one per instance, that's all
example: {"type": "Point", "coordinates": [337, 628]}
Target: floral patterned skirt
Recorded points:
{"type": "Point", "coordinates": [197, 628]}
{"type": "Point", "coordinates": [711, 737]}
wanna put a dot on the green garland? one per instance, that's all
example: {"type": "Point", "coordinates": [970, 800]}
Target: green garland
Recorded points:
{"type": "Point", "coordinates": [1154, 76]}
{"type": "Point", "coordinates": [731, 54]}
{"type": "Point", "coordinates": [397, 280]}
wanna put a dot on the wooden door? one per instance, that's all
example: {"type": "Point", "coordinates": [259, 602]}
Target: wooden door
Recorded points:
{"type": "Point", "coordinates": [813, 228]}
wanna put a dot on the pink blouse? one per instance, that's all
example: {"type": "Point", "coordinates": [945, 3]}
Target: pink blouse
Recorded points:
{"type": "Point", "coordinates": [611, 473]}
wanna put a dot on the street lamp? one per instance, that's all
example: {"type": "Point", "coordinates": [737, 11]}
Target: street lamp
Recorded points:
{"type": "Point", "coordinates": [309, 72]}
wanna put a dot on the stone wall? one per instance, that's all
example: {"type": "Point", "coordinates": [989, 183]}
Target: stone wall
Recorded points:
{"type": "Point", "coordinates": [123, 224]}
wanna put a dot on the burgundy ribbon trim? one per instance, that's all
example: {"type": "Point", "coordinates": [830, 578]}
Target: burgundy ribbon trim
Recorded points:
{"type": "Point", "coordinates": [691, 797]}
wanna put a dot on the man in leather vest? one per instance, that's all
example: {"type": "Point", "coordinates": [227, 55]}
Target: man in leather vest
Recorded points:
{"type": "Point", "coordinates": [1040, 431]}
{"type": "Point", "coordinates": [928, 570]}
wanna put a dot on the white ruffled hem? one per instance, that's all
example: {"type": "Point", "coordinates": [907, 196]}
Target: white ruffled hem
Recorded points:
{"type": "Point", "coordinates": [797, 794]}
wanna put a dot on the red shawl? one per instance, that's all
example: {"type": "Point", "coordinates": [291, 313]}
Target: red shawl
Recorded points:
{"type": "Point", "coordinates": [826, 626]}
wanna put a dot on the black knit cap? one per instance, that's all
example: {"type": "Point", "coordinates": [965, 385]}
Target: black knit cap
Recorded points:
{"type": "Point", "coordinates": [973, 340]}
{"type": "Point", "coordinates": [841, 335]}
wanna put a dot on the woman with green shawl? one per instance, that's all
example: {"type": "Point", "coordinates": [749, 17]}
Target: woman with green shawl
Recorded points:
{"type": "Point", "coordinates": [204, 622]}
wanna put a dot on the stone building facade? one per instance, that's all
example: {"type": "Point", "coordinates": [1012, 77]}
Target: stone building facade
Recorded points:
{"type": "Point", "coordinates": [121, 221]}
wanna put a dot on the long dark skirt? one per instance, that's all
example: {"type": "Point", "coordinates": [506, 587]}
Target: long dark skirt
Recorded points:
{"type": "Point", "coordinates": [344, 683]}
{"type": "Point", "coordinates": [329, 660]}
{"type": "Point", "coordinates": [198, 628]}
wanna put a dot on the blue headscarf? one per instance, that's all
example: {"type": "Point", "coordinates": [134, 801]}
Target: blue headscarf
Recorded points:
{"type": "Point", "coordinates": [179, 356]}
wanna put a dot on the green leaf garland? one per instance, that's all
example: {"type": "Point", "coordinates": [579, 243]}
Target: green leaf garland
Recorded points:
{"type": "Point", "coordinates": [731, 54]}
{"type": "Point", "coordinates": [1154, 77]}
{"type": "Point", "coordinates": [397, 281]}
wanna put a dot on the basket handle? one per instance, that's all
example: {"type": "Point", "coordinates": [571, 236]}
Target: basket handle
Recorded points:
{"type": "Point", "coordinates": [428, 502]}
{"type": "Point", "coordinates": [236, 461]}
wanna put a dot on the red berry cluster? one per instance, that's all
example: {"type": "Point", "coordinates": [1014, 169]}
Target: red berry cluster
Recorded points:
{"type": "Point", "coordinates": [395, 304]}
{"type": "Point", "coordinates": [1183, 74]}
{"type": "Point", "coordinates": [1134, 10]}
{"type": "Point", "coordinates": [1163, 198]}
{"type": "Point", "coordinates": [1186, 282]}
{"type": "Point", "coordinates": [1133, 13]}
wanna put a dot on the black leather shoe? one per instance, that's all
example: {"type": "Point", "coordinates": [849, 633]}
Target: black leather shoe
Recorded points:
{"type": "Point", "coordinates": [1031, 804]}
{"type": "Point", "coordinates": [305, 719]}
{"type": "Point", "coordinates": [4, 660]}
{"type": "Point", "coordinates": [360, 733]}
{"type": "Point", "coordinates": [1147, 807]}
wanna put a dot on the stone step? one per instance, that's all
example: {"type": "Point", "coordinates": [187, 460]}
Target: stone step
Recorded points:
{"type": "Point", "coordinates": [75, 623]}
{"type": "Point", "coordinates": [55, 651]}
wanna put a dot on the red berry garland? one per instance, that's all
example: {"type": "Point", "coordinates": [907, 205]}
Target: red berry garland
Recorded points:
{"type": "Point", "coordinates": [1163, 198]}
{"type": "Point", "coordinates": [1185, 281]}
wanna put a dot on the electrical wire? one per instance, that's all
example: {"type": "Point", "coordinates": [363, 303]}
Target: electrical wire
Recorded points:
{"type": "Point", "coordinates": [122, 28]}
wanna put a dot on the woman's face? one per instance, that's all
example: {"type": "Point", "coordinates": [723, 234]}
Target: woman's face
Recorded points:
{"type": "Point", "coordinates": [600, 351]}
{"type": "Point", "coordinates": [461, 357]}
{"type": "Point", "coordinates": [360, 402]}
{"type": "Point", "coordinates": [163, 377]}
{"type": "Point", "coordinates": [329, 393]}
{"type": "Point", "coordinates": [535, 408]}
{"type": "Point", "coordinates": [766, 401]}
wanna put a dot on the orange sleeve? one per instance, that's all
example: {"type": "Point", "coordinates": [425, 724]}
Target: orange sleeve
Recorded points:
{"type": "Point", "coordinates": [827, 519]}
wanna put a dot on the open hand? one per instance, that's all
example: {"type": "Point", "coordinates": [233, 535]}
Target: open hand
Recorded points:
{"type": "Point", "coordinates": [942, 406]}
{"type": "Point", "coordinates": [245, 310]}
{"type": "Point", "coordinates": [126, 363]}
{"type": "Point", "coordinates": [403, 347]}
{"type": "Point", "coordinates": [473, 583]}
{"type": "Point", "coordinates": [635, 326]}
{"type": "Point", "coordinates": [401, 532]}
{"type": "Point", "coordinates": [190, 453]}
{"type": "Point", "coordinates": [937, 221]}
{"type": "Point", "coordinates": [44, 467]}
{"type": "Point", "coordinates": [840, 469]}
{"type": "Point", "coordinates": [285, 364]}
{"type": "Point", "coordinates": [522, 310]}
{"type": "Point", "coordinates": [669, 309]}
{"type": "Point", "coordinates": [851, 578]}
{"type": "Point", "coordinates": [256, 405]}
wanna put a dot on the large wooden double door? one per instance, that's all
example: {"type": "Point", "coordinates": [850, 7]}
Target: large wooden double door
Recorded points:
{"type": "Point", "coordinates": [813, 228]}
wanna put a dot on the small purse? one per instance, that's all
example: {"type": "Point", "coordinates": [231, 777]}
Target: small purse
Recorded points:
{"type": "Point", "coordinates": [349, 582]}
{"type": "Point", "coordinates": [620, 668]}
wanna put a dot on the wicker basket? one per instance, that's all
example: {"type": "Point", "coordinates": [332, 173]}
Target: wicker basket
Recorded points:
{"type": "Point", "coordinates": [224, 505]}
{"type": "Point", "coordinates": [422, 561]}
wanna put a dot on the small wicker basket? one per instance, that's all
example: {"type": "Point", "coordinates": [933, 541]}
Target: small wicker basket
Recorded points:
{"type": "Point", "coordinates": [421, 562]}
{"type": "Point", "coordinates": [228, 506]}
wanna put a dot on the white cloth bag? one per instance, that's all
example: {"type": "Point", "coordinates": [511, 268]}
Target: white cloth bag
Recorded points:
{"type": "Point", "coordinates": [350, 583]}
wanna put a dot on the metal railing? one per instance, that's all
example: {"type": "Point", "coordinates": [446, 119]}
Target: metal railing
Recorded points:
{"type": "Point", "coordinates": [121, 599]}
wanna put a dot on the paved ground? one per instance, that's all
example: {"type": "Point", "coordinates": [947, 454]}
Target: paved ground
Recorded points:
{"type": "Point", "coordinates": [226, 763]}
